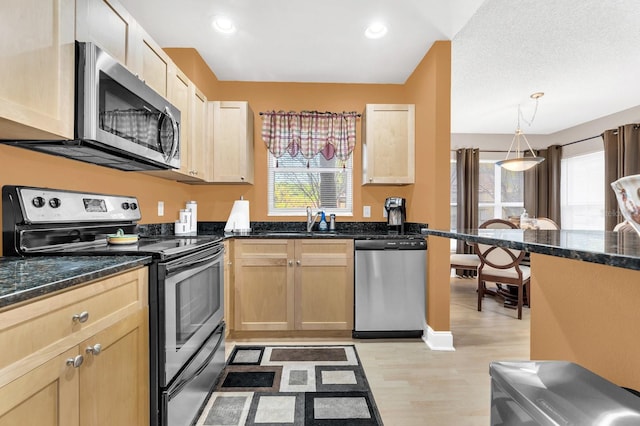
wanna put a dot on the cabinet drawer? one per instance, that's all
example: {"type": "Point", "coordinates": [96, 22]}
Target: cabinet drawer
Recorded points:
{"type": "Point", "coordinates": [49, 322]}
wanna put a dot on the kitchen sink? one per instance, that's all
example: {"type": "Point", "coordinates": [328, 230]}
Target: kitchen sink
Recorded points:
{"type": "Point", "coordinates": [297, 234]}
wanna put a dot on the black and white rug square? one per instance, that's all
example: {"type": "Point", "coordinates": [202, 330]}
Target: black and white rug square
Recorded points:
{"type": "Point", "coordinates": [291, 385]}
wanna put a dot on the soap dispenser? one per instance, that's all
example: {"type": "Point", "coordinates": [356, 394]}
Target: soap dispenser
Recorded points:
{"type": "Point", "coordinates": [524, 220]}
{"type": "Point", "coordinates": [322, 226]}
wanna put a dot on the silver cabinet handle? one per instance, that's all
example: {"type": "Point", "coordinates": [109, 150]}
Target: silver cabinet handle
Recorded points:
{"type": "Point", "coordinates": [95, 349]}
{"type": "Point", "coordinates": [81, 317]}
{"type": "Point", "coordinates": [291, 263]}
{"type": "Point", "coordinates": [298, 262]}
{"type": "Point", "coordinates": [75, 362]}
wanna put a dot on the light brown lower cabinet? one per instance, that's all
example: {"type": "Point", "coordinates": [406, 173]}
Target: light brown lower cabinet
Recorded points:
{"type": "Point", "coordinates": [293, 285]}
{"type": "Point", "coordinates": [78, 357]}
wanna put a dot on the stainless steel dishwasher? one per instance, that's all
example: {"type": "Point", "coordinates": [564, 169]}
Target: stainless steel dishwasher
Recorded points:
{"type": "Point", "coordinates": [390, 288]}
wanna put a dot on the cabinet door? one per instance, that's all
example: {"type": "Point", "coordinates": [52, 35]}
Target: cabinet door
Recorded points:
{"type": "Point", "coordinates": [324, 284]}
{"type": "Point", "coordinates": [107, 24]}
{"type": "Point", "coordinates": [37, 72]}
{"type": "Point", "coordinates": [153, 64]}
{"type": "Point", "coordinates": [199, 142]}
{"type": "Point", "coordinates": [233, 142]}
{"type": "Point", "coordinates": [45, 396]}
{"type": "Point", "coordinates": [388, 155]}
{"type": "Point", "coordinates": [264, 284]}
{"type": "Point", "coordinates": [179, 88]}
{"type": "Point", "coordinates": [114, 383]}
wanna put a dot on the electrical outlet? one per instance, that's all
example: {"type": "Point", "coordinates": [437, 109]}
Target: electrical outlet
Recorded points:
{"type": "Point", "coordinates": [366, 211]}
{"type": "Point", "coordinates": [160, 208]}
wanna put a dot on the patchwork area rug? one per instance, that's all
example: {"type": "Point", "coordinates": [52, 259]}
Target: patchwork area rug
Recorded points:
{"type": "Point", "coordinates": [291, 385]}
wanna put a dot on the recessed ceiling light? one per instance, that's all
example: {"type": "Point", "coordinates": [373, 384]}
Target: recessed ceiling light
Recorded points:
{"type": "Point", "coordinates": [375, 30]}
{"type": "Point", "coordinates": [223, 25]}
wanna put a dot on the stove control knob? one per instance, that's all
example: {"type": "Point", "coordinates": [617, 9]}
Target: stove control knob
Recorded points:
{"type": "Point", "coordinates": [55, 202]}
{"type": "Point", "coordinates": [38, 202]}
{"type": "Point", "coordinates": [125, 206]}
{"type": "Point", "coordinates": [133, 206]}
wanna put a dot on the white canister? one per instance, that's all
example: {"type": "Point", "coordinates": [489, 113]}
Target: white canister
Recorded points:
{"type": "Point", "coordinates": [181, 228]}
{"type": "Point", "coordinates": [192, 206]}
{"type": "Point", "coordinates": [185, 217]}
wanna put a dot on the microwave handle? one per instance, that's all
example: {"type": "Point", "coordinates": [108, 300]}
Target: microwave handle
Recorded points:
{"type": "Point", "coordinates": [176, 134]}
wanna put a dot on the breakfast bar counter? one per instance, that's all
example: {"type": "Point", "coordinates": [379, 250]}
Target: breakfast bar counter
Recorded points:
{"type": "Point", "coordinates": [621, 249]}
{"type": "Point", "coordinates": [585, 293]}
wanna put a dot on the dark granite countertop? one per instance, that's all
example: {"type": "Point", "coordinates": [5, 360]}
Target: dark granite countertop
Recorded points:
{"type": "Point", "coordinates": [349, 230]}
{"type": "Point", "coordinates": [23, 278]}
{"type": "Point", "coordinates": [621, 249]}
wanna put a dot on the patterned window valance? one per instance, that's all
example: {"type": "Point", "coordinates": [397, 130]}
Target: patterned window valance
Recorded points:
{"type": "Point", "coordinates": [310, 132]}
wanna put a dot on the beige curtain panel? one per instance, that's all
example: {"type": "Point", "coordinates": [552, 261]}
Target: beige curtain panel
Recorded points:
{"type": "Point", "coordinates": [542, 185]}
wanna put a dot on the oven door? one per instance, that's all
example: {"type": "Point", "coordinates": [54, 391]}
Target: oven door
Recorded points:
{"type": "Point", "coordinates": [192, 306]}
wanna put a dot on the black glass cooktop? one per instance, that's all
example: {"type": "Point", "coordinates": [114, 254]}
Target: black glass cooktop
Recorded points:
{"type": "Point", "coordinates": [162, 247]}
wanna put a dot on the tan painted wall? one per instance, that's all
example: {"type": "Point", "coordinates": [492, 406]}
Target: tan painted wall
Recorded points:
{"type": "Point", "coordinates": [586, 313]}
{"type": "Point", "coordinates": [428, 88]}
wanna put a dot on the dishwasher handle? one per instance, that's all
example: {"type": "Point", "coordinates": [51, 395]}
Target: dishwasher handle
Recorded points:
{"type": "Point", "coordinates": [391, 244]}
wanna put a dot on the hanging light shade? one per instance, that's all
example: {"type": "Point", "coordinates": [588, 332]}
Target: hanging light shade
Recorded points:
{"type": "Point", "coordinates": [519, 162]}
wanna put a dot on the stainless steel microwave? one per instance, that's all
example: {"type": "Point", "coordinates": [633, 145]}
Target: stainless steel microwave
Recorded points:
{"type": "Point", "coordinates": [120, 122]}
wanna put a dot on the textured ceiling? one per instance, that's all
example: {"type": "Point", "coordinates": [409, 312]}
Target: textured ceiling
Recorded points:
{"type": "Point", "coordinates": [583, 54]}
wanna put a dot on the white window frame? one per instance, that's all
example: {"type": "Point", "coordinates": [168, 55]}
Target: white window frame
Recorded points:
{"type": "Point", "coordinates": [592, 221]}
{"type": "Point", "coordinates": [347, 211]}
{"type": "Point", "coordinates": [497, 204]}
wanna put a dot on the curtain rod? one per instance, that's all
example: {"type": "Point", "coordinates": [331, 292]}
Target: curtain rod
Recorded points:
{"type": "Point", "coordinates": [581, 140]}
{"type": "Point", "coordinates": [316, 112]}
{"type": "Point", "coordinates": [566, 144]}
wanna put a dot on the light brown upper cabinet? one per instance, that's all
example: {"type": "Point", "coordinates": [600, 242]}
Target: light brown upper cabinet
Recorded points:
{"type": "Point", "coordinates": [152, 63]}
{"type": "Point", "coordinates": [232, 124]}
{"type": "Point", "coordinates": [37, 72]}
{"type": "Point", "coordinates": [108, 24]}
{"type": "Point", "coordinates": [388, 148]}
{"type": "Point", "coordinates": [199, 140]}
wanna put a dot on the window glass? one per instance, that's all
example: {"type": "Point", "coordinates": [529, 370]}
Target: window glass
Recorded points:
{"type": "Point", "coordinates": [582, 192]}
{"type": "Point", "coordinates": [297, 182]}
{"type": "Point", "coordinates": [500, 192]}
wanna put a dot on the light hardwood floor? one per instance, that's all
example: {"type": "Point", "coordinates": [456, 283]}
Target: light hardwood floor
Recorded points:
{"type": "Point", "coordinates": [413, 385]}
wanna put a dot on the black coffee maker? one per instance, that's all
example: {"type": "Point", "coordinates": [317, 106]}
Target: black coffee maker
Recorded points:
{"type": "Point", "coordinates": [396, 214]}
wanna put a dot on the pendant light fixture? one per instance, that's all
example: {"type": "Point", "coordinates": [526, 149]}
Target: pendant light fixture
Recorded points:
{"type": "Point", "coordinates": [520, 162]}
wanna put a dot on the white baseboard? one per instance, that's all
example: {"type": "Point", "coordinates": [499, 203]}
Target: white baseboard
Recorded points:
{"type": "Point", "coordinates": [438, 340]}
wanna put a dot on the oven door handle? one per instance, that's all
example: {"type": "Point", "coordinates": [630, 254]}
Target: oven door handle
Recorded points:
{"type": "Point", "coordinates": [175, 388]}
{"type": "Point", "coordinates": [181, 265]}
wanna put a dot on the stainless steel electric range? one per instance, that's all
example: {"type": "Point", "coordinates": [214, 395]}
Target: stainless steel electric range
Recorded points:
{"type": "Point", "coordinates": [186, 284]}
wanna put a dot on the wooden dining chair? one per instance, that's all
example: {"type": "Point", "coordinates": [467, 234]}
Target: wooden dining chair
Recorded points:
{"type": "Point", "coordinates": [545, 223]}
{"type": "Point", "coordinates": [502, 265]}
{"type": "Point", "coordinates": [464, 261]}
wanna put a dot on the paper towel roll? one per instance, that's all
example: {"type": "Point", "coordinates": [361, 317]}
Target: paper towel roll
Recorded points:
{"type": "Point", "coordinates": [239, 217]}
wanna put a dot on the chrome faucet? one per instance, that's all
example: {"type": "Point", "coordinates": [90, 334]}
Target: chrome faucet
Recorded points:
{"type": "Point", "coordinates": [311, 220]}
